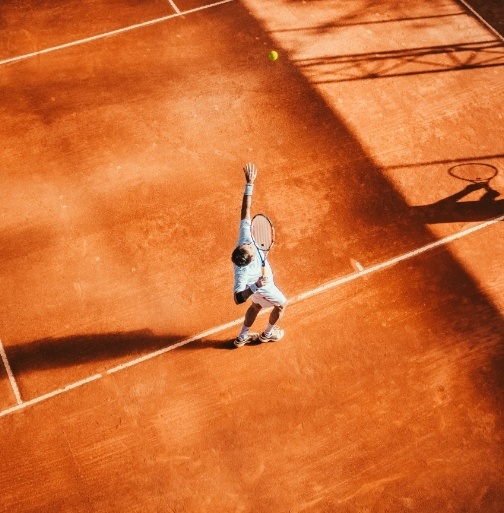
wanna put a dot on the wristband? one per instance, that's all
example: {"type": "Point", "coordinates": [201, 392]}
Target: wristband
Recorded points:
{"type": "Point", "coordinates": [249, 187]}
{"type": "Point", "coordinates": [253, 288]}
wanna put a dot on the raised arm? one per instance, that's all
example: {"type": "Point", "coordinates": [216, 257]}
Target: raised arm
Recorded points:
{"type": "Point", "coordinates": [250, 176]}
{"type": "Point", "coordinates": [250, 171]}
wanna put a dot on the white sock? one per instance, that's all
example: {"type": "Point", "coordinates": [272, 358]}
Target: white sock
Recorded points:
{"type": "Point", "coordinates": [244, 331]}
{"type": "Point", "coordinates": [268, 329]}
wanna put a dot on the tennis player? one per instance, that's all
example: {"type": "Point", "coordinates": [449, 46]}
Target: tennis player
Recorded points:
{"type": "Point", "coordinates": [249, 281]}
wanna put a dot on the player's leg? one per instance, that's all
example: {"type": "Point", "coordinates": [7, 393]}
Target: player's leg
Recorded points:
{"type": "Point", "coordinates": [272, 333]}
{"type": "Point", "coordinates": [245, 336]}
{"type": "Point", "coordinates": [251, 314]}
{"type": "Point", "coordinates": [272, 296]}
{"type": "Point", "coordinates": [277, 313]}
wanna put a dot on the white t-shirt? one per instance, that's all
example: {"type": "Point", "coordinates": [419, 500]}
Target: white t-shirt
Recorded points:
{"type": "Point", "coordinates": [249, 274]}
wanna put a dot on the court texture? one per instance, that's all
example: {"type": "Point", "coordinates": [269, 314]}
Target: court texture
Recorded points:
{"type": "Point", "coordinates": [125, 127]}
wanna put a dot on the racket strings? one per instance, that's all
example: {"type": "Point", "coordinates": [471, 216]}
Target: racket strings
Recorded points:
{"type": "Point", "coordinates": [474, 172]}
{"type": "Point", "coordinates": [262, 232]}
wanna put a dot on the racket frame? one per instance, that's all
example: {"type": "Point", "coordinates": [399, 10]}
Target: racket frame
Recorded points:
{"type": "Point", "coordinates": [262, 251]}
{"type": "Point", "coordinates": [452, 172]}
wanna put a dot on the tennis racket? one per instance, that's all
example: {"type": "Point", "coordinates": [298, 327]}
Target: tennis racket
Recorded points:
{"type": "Point", "coordinates": [474, 172]}
{"type": "Point", "coordinates": [263, 236]}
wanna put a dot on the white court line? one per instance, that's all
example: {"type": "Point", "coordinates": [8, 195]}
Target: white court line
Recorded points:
{"type": "Point", "coordinates": [54, 393]}
{"type": "Point", "coordinates": [111, 33]}
{"type": "Point", "coordinates": [184, 342]}
{"type": "Point", "coordinates": [296, 299]}
{"type": "Point", "coordinates": [175, 8]}
{"type": "Point", "coordinates": [10, 375]}
{"type": "Point", "coordinates": [396, 260]}
{"type": "Point", "coordinates": [482, 20]}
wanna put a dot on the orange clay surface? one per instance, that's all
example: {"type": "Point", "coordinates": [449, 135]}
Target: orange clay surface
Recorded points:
{"type": "Point", "coordinates": [122, 150]}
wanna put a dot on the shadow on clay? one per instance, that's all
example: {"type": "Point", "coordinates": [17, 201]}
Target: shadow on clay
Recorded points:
{"type": "Point", "coordinates": [49, 353]}
{"type": "Point", "coordinates": [455, 208]}
{"type": "Point", "coordinates": [452, 209]}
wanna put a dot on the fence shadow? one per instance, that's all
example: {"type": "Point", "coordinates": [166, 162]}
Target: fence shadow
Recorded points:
{"type": "Point", "coordinates": [403, 62]}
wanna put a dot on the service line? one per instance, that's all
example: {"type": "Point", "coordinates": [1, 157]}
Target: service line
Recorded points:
{"type": "Point", "coordinates": [300, 297]}
{"type": "Point", "coordinates": [111, 33]}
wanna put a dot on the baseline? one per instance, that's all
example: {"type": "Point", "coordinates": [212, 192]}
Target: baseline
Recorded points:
{"type": "Point", "coordinates": [300, 297]}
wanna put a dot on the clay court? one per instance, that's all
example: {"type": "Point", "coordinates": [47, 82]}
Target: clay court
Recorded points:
{"type": "Point", "coordinates": [126, 125]}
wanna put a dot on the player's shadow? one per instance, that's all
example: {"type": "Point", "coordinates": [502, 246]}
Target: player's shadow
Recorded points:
{"type": "Point", "coordinates": [452, 209]}
{"type": "Point", "coordinates": [105, 350]}
{"type": "Point", "coordinates": [216, 344]}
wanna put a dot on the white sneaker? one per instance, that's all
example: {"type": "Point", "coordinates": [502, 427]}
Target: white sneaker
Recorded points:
{"type": "Point", "coordinates": [249, 337]}
{"type": "Point", "coordinates": [275, 336]}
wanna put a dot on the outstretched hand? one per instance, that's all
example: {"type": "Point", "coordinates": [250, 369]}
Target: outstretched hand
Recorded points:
{"type": "Point", "coordinates": [250, 172]}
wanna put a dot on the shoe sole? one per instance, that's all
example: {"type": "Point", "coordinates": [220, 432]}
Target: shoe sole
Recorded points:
{"type": "Point", "coordinates": [252, 337]}
{"type": "Point", "coordinates": [271, 339]}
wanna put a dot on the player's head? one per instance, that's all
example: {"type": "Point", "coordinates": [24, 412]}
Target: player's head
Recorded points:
{"type": "Point", "coordinates": [243, 255]}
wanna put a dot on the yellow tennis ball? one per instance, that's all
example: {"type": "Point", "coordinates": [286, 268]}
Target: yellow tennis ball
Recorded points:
{"type": "Point", "coordinates": [273, 55]}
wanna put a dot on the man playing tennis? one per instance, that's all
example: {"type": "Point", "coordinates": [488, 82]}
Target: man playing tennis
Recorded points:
{"type": "Point", "coordinates": [250, 281]}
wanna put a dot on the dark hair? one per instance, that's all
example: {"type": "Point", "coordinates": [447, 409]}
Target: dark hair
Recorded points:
{"type": "Point", "coordinates": [241, 257]}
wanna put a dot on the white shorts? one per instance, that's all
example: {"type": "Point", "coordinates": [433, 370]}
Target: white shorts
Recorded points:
{"type": "Point", "coordinates": [269, 296]}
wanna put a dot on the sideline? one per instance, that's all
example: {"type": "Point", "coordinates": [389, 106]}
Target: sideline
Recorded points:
{"type": "Point", "coordinates": [10, 374]}
{"type": "Point", "coordinates": [300, 297]}
{"type": "Point", "coordinates": [177, 14]}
